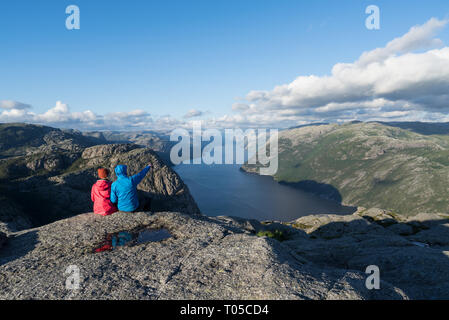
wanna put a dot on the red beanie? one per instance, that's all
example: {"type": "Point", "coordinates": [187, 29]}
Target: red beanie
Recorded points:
{"type": "Point", "coordinates": [103, 173]}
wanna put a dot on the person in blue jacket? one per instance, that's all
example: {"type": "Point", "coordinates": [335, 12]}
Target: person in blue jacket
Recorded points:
{"type": "Point", "coordinates": [124, 189]}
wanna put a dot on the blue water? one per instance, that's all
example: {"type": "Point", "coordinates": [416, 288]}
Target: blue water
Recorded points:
{"type": "Point", "coordinates": [225, 190]}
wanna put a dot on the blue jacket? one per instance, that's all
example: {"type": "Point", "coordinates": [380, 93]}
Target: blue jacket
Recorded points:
{"type": "Point", "coordinates": [124, 189]}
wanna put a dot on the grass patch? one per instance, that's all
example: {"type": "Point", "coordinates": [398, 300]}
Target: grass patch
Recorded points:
{"type": "Point", "coordinates": [77, 165]}
{"type": "Point", "coordinates": [276, 234]}
{"type": "Point", "coordinates": [300, 226]}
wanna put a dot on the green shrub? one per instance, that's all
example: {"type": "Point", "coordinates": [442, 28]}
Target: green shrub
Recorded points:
{"type": "Point", "coordinates": [276, 234]}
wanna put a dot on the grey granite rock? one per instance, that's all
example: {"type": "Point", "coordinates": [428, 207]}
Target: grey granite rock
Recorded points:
{"type": "Point", "coordinates": [401, 229]}
{"type": "Point", "coordinates": [3, 239]}
{"type": "Point", "coordinates": [416, 261]}
{"type": "Point", "coordinates": [11, 217]}
{"type": "Point", "coordinates": [206, 258]}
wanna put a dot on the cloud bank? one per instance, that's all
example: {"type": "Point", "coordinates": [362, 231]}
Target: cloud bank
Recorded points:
{"type": "Point", "coordinates": [61, 116]}
{"type": "Point", "coordinates": [9, 105]}
{"type": "Point", "coordinates": [407, 80]}
{"type": "Point", "coordinates": [193, 113]}
{"type": "Point", "coordinates": [393, 82]}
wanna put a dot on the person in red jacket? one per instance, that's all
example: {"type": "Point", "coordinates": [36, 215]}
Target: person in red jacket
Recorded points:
{"type": "Point", "coordinates": [101, 194]}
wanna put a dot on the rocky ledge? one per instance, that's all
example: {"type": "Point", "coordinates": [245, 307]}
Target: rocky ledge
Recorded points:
{"type": "Point", "coordinates": [316, 257]}
{"type": "Point", "coordinates": [37, 199]}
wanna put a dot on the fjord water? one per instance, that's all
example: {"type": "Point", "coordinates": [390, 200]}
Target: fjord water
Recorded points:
{"type": "Point", "coordinates": [226, 190]}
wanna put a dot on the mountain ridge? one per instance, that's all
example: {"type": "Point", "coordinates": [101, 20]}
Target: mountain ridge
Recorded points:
{"type": "Point", "coordinates": [368, 164]}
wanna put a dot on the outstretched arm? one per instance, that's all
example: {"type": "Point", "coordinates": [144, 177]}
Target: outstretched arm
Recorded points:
{"type": "Point", "coordinates": [138, 177]}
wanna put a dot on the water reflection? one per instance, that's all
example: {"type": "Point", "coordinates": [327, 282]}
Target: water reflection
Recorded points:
{"type": "Point", "coordinates": [131, 238]}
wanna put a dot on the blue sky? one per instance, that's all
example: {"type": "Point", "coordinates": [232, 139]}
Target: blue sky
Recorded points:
{"type": "Point", "coordinates": [169, 57]}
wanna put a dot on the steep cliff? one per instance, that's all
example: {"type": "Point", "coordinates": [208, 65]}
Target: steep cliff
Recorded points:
{"type": "Point", "coordinates": [46, 174]}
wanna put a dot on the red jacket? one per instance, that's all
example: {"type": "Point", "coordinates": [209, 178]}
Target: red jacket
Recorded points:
{"type": "Point", "coordinates": [100, 195]}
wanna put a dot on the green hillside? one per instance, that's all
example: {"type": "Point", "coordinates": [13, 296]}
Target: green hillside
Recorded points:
{"type": "Point", "coordinates": [369, 165]}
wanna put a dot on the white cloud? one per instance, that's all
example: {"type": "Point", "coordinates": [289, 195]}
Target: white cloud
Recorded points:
{"type": "Point", "coordinates": [61, 116]}
{"type": "Point", "coordinates": [240, 107]}
{"type": "Point", "coordinates": [390, 81]}
{"type": "Point", "coordinates": [193, 113]}
{"type": "Point", "coordinates": [408, 79]}
{"type": "Point", "coordinates": [14, 115]}
{"type": "Point", "coordinates": [419, 37]}
{"type": "Point", "coordinates": [10, 104]}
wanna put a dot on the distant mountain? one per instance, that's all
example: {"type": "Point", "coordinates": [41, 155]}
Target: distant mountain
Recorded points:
{"type": "Point", "coordinates": [308, 125]}
{"type": "Point", "coordinates": [158, 141]}
{"type": "Point", "coordinates": [369, 164]}
{"type": "Point", "coordinates": [427, 128]}
{"type": "Point", "coordinates": [18, 139]}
